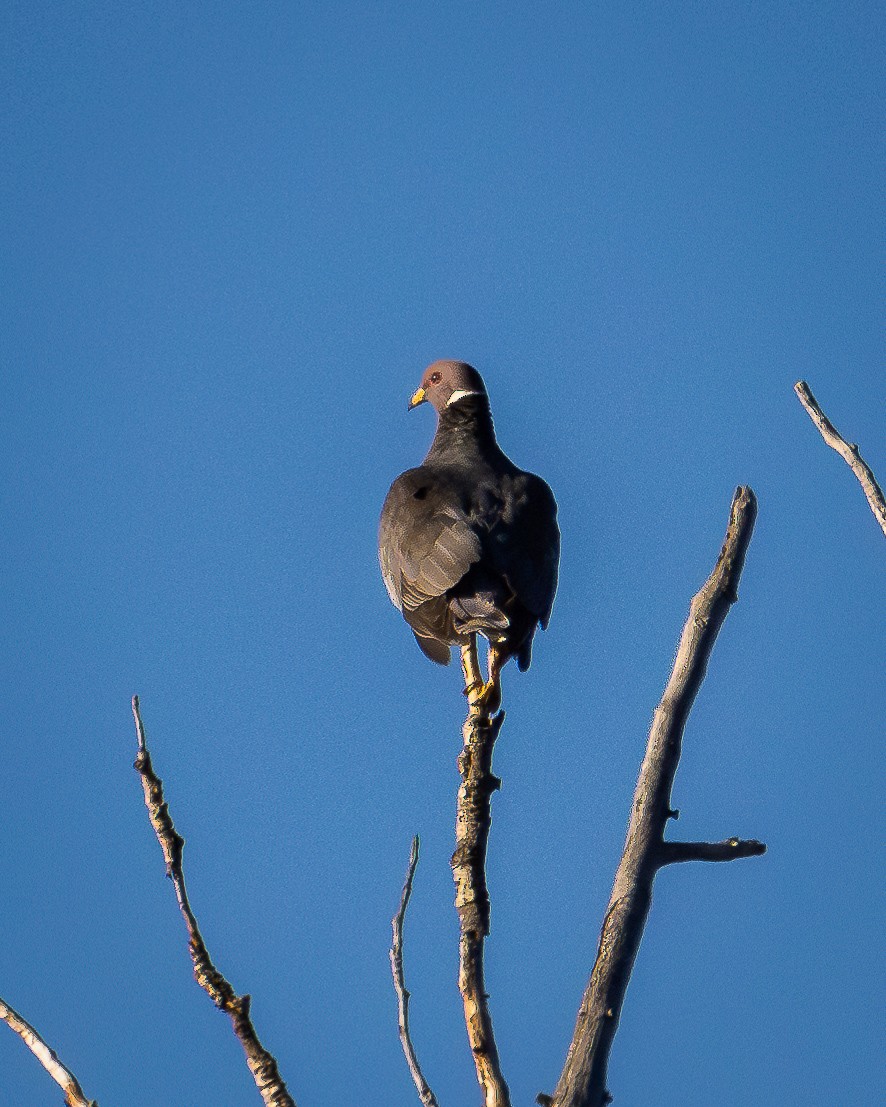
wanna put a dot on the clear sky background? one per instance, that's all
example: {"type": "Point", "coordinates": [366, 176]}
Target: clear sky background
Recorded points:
{"type": "Point", "coordinates": [233, 236]}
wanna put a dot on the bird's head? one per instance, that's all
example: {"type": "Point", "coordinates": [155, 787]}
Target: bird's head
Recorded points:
{"type": "Point", "coordinates": [447, 382]}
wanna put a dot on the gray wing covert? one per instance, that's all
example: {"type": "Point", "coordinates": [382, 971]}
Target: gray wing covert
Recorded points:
{"type": "Point", "coordinates": [426, 543]}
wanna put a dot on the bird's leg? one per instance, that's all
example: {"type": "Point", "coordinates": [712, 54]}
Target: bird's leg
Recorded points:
{"type": "Point", "coordinates": [484, 696]}
{"type": "Point", "coordinates": [470, 664]}
{"type": "Point", "coordinates": [491, 694]}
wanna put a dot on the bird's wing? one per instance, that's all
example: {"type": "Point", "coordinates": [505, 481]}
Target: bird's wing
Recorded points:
{"type": "Point", "coordinates": [524, 546]}
{"type": "Point", "coordinates": [426, 541]}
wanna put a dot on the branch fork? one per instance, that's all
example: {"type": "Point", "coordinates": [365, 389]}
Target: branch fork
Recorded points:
{"type": "Point", "coordinates": [583, 1080]}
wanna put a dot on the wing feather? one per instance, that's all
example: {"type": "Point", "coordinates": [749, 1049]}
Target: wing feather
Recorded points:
{"type": "Point", "coordinates": [426, 541]}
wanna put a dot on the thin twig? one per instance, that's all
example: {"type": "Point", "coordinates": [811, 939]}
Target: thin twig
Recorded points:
{"type": "Point", "coordinates": [473, 819]}
{"type": "Point", "coordinates": [848, 452]}
{"type": "Point", "coordinates": [74, 1095]}
{"type": "Point", "coordinates": [262, 1064]}
{"type": "Point", "coordinates": [583, 1080]}
{"type": "Point", "coordinates": [424, 1092]}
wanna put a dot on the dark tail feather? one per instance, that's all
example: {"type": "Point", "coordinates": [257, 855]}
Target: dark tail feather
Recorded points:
{"type": "Point", "coordinates": [524, 655]}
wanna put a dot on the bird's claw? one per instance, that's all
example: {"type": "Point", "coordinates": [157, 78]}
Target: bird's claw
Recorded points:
{"type": "Point", "coordinates": [484, 698]}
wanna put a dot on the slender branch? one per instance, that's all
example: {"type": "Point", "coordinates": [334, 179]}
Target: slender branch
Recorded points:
{"type": "Point", "coordinates": [262, 1064]}
{"type": "Point", "coordinates": [848, 452]}
{"type": "Point", "coordinates": [583, 1080]}
{"type": "Point", "coordinates": [424, 1092]}
{"type": "Point", "coordinates": [673, 852]}
{"type": "Point", "coordinates": [74, 1095]}
{"type": "Point", "coordinates": [473, 819]}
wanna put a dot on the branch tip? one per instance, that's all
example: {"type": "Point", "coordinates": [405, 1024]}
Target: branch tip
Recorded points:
{"type": "Point", "coordinates": [48, 1058]}
{"type": "Point", "coordinates": [396, 957]}
{"type": "Point", "coordinates": [262, 1064]}
{"type": "Point", "coordinates": [583, 1080]}
{"type": "Point", "coordinates": [732, 849]}
{"type": "Point", "coordinates": [849, 453]}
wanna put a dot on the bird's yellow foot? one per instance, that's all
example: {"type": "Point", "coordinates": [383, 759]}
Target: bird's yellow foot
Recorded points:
{"type": "Point", "coordinates": [484, 699]}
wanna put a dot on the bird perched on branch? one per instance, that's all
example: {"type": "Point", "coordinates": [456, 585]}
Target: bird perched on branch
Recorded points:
{"type": "Point", "coordinates": [468, 543]}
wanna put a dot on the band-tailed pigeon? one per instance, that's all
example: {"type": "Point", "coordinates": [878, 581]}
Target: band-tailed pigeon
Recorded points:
{"type": "Point", "coordinates": [468, 543]}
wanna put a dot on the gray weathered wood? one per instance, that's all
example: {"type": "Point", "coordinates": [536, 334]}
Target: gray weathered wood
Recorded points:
{"type": "Point", "coordinates": [848, 451]}
{"type": "Point", "coordinates": [473, 820]}
{"type": "Point", "coordinates": [396, 953]}
{"type": "Point", "coordinates": [48, 1058]}
{"type": "Point", "coordinates": [262, 1064]}
{"type": "Point", "coordinates": [583, 1080]}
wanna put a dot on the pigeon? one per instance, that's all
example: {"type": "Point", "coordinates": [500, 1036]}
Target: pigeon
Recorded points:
{"type": "Point", "coordinates": [468, 543]}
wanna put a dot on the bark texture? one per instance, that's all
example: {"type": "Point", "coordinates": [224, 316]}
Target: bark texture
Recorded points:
{"type": "Point", "coordinates": [421, 1085]}
{"type": "Point", "coordinates": [583, 1080]}
{"type": "Point", "coordinates": [48, 1058]}
{"type": "Point", "coordinates": [849, 453]}
{"type": "Point", "coordinates": [473, 820]}
{"type": "Point", "coordinates": [261, 1064]}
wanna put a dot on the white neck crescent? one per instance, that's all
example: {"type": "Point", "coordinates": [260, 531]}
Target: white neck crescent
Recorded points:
{"type": "Point", "coordinates": [459, 394]}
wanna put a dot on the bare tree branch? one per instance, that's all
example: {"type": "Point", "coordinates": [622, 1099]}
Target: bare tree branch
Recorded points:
{"type": "Point", "coordinates": [424, 1092]}
{"type": "Point", "coordinates": [583, 1080]}
{"type": "Point", "coordinates": [74, 1095]}
{"type": "Point", "coordinates": [473, 819]}
{"type": "Point", "coordinates": [262, 1064]}
{"type": "Point", "coordinates": [848, 452]}
{"type": "Point", "coordinates": [730, 850]}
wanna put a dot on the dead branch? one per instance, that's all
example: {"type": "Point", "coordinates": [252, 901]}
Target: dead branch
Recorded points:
{"type": "Point", "coordinates": [583, 1080]}
{"type": "Point", "coordinates": [673, 852]}
{"type": "Point", "coordinates": [262, 1064]}
{"type": "Point", "coordinates": [424, 1092]}
{"type": "Point", "coordinates": [473, 819]}
{"type": "Point", "coordinates": [74, 1095]}
{"type": "Point", "coordinates": [848, 452]}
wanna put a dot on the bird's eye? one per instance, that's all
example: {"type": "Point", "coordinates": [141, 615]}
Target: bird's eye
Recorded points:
{"type": "Point", "coordinates": [435, 378]}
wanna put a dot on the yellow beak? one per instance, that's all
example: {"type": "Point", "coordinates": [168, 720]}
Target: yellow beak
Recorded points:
{"type": "Point", "coordinates": [417, 397]}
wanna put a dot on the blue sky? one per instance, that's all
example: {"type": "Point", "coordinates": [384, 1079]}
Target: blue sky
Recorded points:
{"type": "Point", "coordinates": [233, 237]}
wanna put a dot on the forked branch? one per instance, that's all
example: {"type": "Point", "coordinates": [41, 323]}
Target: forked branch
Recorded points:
{"type": "Point", "coordinates": [473, 819]}
{"type": "Point", "coordinates": [261, 1064]}
{"type": "Point", "coordinates": [421, 1085]}
{"type": "Point", "coordinates": [583, 1080]}
{"type": "Point", "coordinates": [848, 452]}
{"type": "Point", "coordinates": [74, 1096]}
